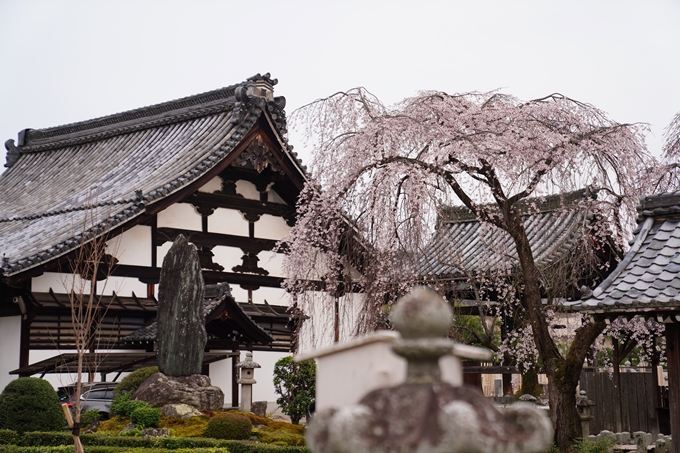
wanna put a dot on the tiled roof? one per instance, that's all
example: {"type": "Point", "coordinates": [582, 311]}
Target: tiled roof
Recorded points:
{"type": "Point", "coordinates": [215, 296]}
{"type": "Point", "coordinates": [648, 277]}
{"type": "Point", "coordinates": [462, 245]}
{"type": "Point", "coordinates": [119, 164]}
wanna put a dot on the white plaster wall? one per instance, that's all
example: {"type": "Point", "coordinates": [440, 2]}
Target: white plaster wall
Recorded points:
{"type": "Point", "coordinates": [10, 332]}
{"type": "Point", "coordinates": [247, 189]}
{"type": "Point", "coordinates": [180, 215]}
{"type": "Point", "coordinates": [227, 257]}
{"type": "Point", "coordinates": [133, 247]}
{"type": "Point", "coordinates": [272, 262]}
{"type": "Point", "coordinates": [271, 227]}
{"type": "Point", "coordinates": [319, 330]}
{"type": "Point", "coordinates": [274, 197]}
{"type": "Point", "coordinates": [227, 221]}
{"type": "Point", "coordinates": [123, 286]}
{"type": "Point", "coordinates": [59, 282]}
{"type": "Point", "coordinates": [161, 251]}
{"type": "Point", "coordinates": [273, 296]}
{"type": "Point", "coordinates": [239, 294]}
{"type": "Point", "coordinates": [214, 185]}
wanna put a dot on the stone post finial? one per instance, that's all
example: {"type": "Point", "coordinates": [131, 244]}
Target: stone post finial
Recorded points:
{"type": "Point", "coordinates": [423, 320]}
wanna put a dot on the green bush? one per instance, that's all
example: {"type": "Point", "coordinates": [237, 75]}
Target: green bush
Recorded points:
{"type": "Point", "coordinates": [28, 404]}
{"type": "Point", "coordinates": [132, 381]}
{"type": "Point", "coordinates": [296, 384]}
{"type": "Point", "coordinates": [603, 445]}
{"type": "Point", "coordinates": [123, 407]}
{"type": "Point", "coordinates": [88, 417]}
{"type": "Point", "coordinates": [8, 437]}
{"type": "Point", "coordinates": [146, 417]}
{"type": "Point", "coordinates": [229, 426]}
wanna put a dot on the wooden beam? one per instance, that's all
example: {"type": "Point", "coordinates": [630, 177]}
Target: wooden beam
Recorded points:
{"type": "Point", "coordinates": [218, 200]}
{"type": "Point", "coordinates": [210, 277]}
{"type": "Point", "coordinates": [201, 239]}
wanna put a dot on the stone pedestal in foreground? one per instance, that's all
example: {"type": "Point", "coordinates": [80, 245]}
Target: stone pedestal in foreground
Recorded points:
{"type": "Point", "coordinates": [426, 415]}
{"type": "Point", "coordinates": [196, 391]}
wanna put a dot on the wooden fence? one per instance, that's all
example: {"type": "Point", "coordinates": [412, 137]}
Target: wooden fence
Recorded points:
{"type": "Point", "coordinates": [638, 401]}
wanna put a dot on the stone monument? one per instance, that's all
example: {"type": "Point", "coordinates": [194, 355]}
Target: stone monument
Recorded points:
{"type": "Point", "coordinates": [181, 336]}
{"type": "Point", "coordinates": [424, 414]}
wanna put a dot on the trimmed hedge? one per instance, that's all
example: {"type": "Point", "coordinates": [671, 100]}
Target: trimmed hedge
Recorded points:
{"type": "Point", "coordinates": [146, 417]}
{"type": "Point", "coordinates": [46, 441]}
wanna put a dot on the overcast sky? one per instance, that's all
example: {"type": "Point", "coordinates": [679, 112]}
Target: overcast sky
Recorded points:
{"type": "Point", "coordinates": [65, 61]}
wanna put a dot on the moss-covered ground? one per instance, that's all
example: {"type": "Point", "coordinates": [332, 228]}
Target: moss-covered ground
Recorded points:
{"type": "Point", "coordinates": [265, 429]}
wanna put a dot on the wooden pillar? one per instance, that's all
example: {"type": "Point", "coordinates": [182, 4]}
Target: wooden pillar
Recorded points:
{"type": "Point", "coordinates": [673, 356]}
{"type": "Point", "coordinates": [25, 340]}
{"type": "Point", "coordinates": [617, 386]}
{"type": "Point", "coordinates": [234, 378]}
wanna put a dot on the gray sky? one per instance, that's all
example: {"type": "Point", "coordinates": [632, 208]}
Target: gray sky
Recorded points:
{"type": "Point", "coordinates": [66, 61]}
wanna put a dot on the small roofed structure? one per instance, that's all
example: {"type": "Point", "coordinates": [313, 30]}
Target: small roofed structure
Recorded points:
{"type": "Point", "coordinates": [464, 246]}
{"type": "Point", "coordinates": [647, 283]}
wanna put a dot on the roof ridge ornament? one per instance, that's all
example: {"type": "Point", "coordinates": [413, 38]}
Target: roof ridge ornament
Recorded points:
{"type": "Point", "coordinates": [13, 153]}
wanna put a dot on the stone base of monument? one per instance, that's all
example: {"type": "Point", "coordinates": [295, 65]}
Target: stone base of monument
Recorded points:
{"type": "Point", "coordinates": [195, 390]}
{"type": "Point", "coordinates": [180, 411]}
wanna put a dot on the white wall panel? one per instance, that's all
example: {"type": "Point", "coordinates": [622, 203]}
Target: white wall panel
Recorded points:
{"type": "Point", "coordinates": [272, 262]}
{"type": "Point", "coordinates": [214, 185]}
{"type": "Point", "coordinates": [60, 283]}
{"type": "Point", "coordinates": [247, 189]}
{"type": "Point", "coordinates": [180, 215]}
{"type": "Point", "coordinates": [10, 333]}
{"type": "Point", "coordinates": [271, 227]}
{"type": "Point", "coordinates": [273, 296]}
{"type": "Point", "coordinates": [227, 257]}
{"type": "Point", "coordinates": [228, 221]}
{"type": "Point", "coordinates": [132, 247]}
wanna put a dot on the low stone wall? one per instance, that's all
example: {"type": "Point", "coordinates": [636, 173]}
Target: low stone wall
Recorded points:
{"type": "Point", "coordinates": [639, 441]}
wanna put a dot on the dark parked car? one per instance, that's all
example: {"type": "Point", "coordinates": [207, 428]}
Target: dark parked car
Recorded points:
{"type": "Point", "coordinates": [96, 395]}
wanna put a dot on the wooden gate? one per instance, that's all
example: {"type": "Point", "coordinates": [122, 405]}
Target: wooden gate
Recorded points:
{"type": "Point", "coordinates": [638, 401]}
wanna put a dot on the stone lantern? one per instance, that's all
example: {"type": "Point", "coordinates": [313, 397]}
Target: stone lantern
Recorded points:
{"type": "Point", "coordinates": [583, 405]}
{"type": "Point", "coordinates": [425, 414]}
{"type": "Point", "coordinates": [247, 380]}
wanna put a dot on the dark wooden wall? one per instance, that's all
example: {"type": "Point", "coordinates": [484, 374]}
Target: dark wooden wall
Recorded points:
{"type": "Point", "coordinates": [638, 401]}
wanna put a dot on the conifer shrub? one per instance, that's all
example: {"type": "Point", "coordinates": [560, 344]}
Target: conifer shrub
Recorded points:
{"type": "Point", "coordinates": [123, 406]}
{"type": "Point", "coordinates": [229, 426]}
{"type": "Point", "coordinates": [145, 417]}
{"type": "Point", "coordinates": [132, 381]}
{"type": "Point", "coordinates": [30, 404]}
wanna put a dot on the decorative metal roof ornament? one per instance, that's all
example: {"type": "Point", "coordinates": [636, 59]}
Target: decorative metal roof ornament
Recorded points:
{"type": "Point", "coordinates": [425, 415]}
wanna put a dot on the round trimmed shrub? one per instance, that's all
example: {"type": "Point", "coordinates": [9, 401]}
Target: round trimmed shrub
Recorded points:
{"type": "Point", "coordinates": [132, 381]}
{"type": "Point", "coordinates": [229, 426]}
{"type": "Point", "coordinates": [146, 417]}
{"type": "Point", "coordinates": [30, 404]}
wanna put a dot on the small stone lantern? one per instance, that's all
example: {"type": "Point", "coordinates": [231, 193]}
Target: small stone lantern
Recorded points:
{"type": "Point", "coordinates": [583, 405]}
{"type": "Point", "coordinates": [247, 380]}
{"type": "Point", "coordinates": [425, 414]}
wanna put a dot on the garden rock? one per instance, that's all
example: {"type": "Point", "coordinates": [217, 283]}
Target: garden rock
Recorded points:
{"type": "Point", "coordinates": [129, 427]}
{"type": "Point", "coordinates": [179, 411]}
{"type": "Point", "coordinates": [156, 432]}
{"type": "Point", "coordinates": [259, 408]}
{"type": "Point", "coordinates": [195, 390]}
